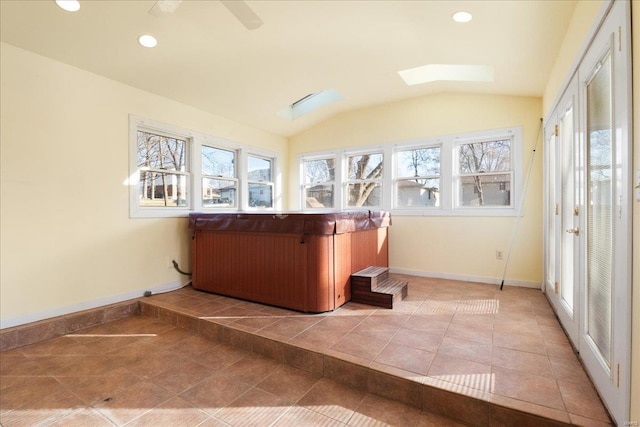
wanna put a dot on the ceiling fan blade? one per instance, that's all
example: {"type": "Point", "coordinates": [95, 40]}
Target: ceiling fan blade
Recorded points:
{"type": "Point", "coordinates": [243, 12]}
{"type": "Point", "coordinates": [164, 7]}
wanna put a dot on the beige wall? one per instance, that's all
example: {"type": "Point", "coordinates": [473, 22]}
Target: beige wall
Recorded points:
{"type": "Point", "coordinates": [445, 246]}
{"type": "Point", "coordinates": [579, 27]}
{"type": "Point", "coordinates": [66, 237]}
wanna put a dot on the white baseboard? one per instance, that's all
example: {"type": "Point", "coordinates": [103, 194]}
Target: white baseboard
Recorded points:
{"type": "Point", "coordinates": [467, 278]}
{"type": "Point", "coordinates": [85, 305]}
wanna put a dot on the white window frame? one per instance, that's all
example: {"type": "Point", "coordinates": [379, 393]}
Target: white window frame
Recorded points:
{"type": "Point", "coordinates": [457, 175]}
{"type": "Point", "coordinates": [195, 140]}
{"type": "Point", "coordinates": [220, 145]}
{"type": "Point", "coordinates": [271, 183]}
{"type": "Point", "coordinates": [397, 179]}
{"type": "Point", "coordinates": [337, 188]}
{"type": "Point", "coordinates": [135, 210]}
{"type": "Point", "coordinates": [346, 181]}
{"type": "Point", "coordinates": [448, 179]}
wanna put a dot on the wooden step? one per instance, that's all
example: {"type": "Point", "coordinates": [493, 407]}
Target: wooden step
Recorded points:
{"type": "Point", "coordinates": [374, 287]}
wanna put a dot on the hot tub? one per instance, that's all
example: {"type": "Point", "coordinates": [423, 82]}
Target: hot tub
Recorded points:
{"type": "Point", "coordinates": [300, 261]}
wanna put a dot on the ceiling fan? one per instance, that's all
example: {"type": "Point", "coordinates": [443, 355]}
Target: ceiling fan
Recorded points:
{"type": "Point", "coordinates": [238, 8]}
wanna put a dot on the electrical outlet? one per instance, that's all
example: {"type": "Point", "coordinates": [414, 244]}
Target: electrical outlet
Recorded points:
{"type": "Point", "coordinates": [498, 254]}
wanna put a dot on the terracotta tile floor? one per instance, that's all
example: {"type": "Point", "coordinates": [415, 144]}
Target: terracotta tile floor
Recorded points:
{"type": "Point", "coordinates": [501, 348]}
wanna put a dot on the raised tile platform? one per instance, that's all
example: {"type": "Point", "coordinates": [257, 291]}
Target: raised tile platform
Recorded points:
{"type": "Point", "coordinates": [463, 350]}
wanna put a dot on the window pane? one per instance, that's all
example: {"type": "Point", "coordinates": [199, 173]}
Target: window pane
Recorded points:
{"type": "Point", "coordinates": [485, 157]}
{"type": "Point", "coordinates": [259, 169]}
{"type": "Point", "coordinates": [319, 196]}
{"type": "Point", "coordinates": [600, 209]}
{"type": "Point", "coordinates": [364, 194]}
{"type": "Point", "coordinates": [158, 189]}
{"type": "Point", "coordinates": [418, 192]}
{"type": "Point", "coordinates": [161, 152]}
{"type": "Point", "coordinates": [419, 162]}
{"type": "Point", "coordinates": [366, 166]}
{"type": "Point", "coordinates": [218, 162]}
{"type": "Point", "coordinates": [260, 195]}
{"type": "Point", "coordinates": [321, 170]}
{"type": "Point", "coordinates": [218, 192]}
{"type": "Point", "coordinates": [485, 190]}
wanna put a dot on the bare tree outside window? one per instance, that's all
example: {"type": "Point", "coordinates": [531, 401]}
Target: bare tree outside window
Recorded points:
{"type": "Point", "coordinates": [418, 182]}
{"type": "Point", "coordinates": [319, 178]}
{"type": "Point", "coordinates": [162, 164]}
{"type": "Point", "coordinates": [485, 173]}
{"type": "Point", "coordinates": [364, 173]}
{"type": "Point", "coordinates": [219, 181]}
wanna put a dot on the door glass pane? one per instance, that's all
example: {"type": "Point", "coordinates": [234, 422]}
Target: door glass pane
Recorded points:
{"type": "Point", "coordinates": [600, 209]}
{"type": "Point", "coordinates": [551, 214]}
{"type": "Point", "coordinates": [568, 216]}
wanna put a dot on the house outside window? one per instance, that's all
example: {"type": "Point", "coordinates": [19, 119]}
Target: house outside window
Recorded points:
{"type": "Point", "coordinates": [318, 183]}
{"type": "Point", "coordinates": [485, 173]}
{"type": "Point", "coordinates": [175, 171]}
{"type": "Point", "coordinates": [418, 177]}
{"type": "Point", "coordinates": [260, 179]}
{"type": "Point", "coordinates": [219, 178]}
{"type": "Point", "coordinates": [164, 178]}
{"type": "Point", "coordinates": [472, 174]}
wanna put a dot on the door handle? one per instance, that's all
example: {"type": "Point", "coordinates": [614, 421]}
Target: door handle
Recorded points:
{"type": "Point", "coordinates": [575, 231]}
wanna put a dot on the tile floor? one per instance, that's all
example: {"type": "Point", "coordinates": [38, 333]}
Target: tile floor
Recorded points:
{"type": "Point", "coordinates": [454, 349]}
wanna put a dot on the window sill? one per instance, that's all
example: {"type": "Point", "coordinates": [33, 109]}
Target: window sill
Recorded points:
{"type": "Point", "coordinates": [462, 212]}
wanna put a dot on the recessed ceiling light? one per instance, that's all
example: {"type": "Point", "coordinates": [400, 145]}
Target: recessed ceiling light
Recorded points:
{"type": "Point", "coordinates": [147, 41]}
{"type": "Point", "coordinates": [462, 16]}
{"type": "Point", "coordinates": [447, 72]}
{"type": "Point", "coordinates": [69, 5]}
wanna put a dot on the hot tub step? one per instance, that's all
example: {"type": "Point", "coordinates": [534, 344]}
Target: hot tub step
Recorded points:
{"type": "Point", "coordinates": [374, 287]}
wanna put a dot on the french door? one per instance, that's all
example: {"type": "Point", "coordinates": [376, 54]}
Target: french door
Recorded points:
{"type": "Point", "coordinates": [588, 210]}
{"type": "Point", "coordinates": [563, 210]}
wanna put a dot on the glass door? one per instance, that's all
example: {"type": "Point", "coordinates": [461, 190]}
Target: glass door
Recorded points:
{"type": "Point", "coordinates": [605, 258]}
{"type": "Point", "coordinates": [563, 211]}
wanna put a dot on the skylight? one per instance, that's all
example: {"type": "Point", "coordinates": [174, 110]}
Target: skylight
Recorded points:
{"type": "Point", "coordinates": [446, 72]}
{"type": "Point", "coordinates": [309, 103]}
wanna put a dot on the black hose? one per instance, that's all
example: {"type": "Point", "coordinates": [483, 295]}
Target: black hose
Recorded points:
{"type": "Point", "coordinates": [175, 265]}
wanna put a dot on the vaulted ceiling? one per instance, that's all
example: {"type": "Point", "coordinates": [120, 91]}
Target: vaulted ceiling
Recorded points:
{"type": "Point", "coordinates": [208, 59]}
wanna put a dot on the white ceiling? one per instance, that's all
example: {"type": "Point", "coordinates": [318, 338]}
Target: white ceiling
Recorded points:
{"type": "Point", "coordinates": [206, 58]}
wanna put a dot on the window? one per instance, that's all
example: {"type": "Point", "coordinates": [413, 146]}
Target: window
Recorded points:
{"type": "Point", "coordinates": [364, 180]}
{"type": "Point", "coordinates": [163, 178]}
{"type": "Point", "coordinates": [260, 176]}
{"type": "Point", "coordinates": [174, 171]}
{"type": "Point", "coordinates": [474, 174]}
{"type": "Point", "coordinates": [417, 181]}
{"type": "Point", "coordinates": [162, 165]}
{"type": "Point", "coordinates": [485, 173]}
{"type": "Point", "coordinates": [318, 183]}
{"type": "Point", "coordinates": [219, 178]}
